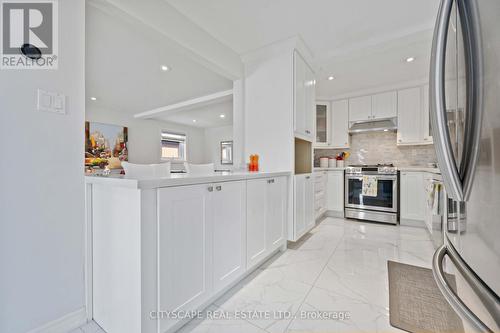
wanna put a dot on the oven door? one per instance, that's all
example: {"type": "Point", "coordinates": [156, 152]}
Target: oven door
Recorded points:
{"type": "Point", "coordinates": [387, 193]}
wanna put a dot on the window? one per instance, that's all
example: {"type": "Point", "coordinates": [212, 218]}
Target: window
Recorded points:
{"type": "Point", "coordinates": [173, 146]}
{"type": "Point", "coordinates": [226, 152]}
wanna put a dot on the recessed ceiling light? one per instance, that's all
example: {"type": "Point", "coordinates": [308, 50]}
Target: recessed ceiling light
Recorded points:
{"type": "Point", "coordinates": [194, 120]}
{"type": "Point", "coordinates": [386, 130]}
{"type": "Point", "coordinates": [93, 98]}
{"type": "Point", "coordinates": [222, 116]}
{"type": "Point", "coordinates": [410, 59]}
{"type": "Point", "coordinates": [330, 78]}
{"type": "Point", "coordinates": [165, 68]}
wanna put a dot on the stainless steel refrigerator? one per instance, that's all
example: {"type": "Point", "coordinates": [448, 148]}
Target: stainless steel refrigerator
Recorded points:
{"type": "Point", "coordinates": [465, 120]}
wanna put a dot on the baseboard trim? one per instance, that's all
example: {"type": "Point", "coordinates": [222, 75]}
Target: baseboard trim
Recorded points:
{"type": "Point", "coordinates": [334, 213]}
{"type": "Point", "coordinates": [412, 223]}
{"type": "Point", "coordinates": [64, 324]}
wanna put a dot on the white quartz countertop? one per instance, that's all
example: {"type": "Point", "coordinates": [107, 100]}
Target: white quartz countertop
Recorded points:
{"type": "Point", "coordinates": [179, 179]}
{"type": "Point", "coordinates": [327, 169]}
{"type": "Point", "coordinates": [419, 169]}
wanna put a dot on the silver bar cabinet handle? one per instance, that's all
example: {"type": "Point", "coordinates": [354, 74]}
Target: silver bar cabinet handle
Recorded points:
{"type": "Point", "coordinates": [452, 298]}
{"type": "Point", "coordinates": [444, 151]}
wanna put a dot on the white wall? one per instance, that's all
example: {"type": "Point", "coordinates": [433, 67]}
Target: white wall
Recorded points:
{"type": "Point", "coordinates": [144, 135]}
{"type": "Point", "coordinates": [42, 186]}
{"type": "Point", "coordinates": [213, 138]}
{"type": "Point", "coordinates": [268, 112]}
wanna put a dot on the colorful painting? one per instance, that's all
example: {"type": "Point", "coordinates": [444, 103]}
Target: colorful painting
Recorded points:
{"type": "Point", "coordinates": [105, 145]}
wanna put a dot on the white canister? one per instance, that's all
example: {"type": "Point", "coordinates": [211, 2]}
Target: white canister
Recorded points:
{"type": "Point", "coordinates": [323, 162]}
{"type": "Point", "coordinates": [340, 163]}
{"type": "Point", "coordinates": [332, 163]}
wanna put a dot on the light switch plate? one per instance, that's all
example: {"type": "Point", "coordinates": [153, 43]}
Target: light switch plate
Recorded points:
{"type": "Point", "coordinates": [51, 102]}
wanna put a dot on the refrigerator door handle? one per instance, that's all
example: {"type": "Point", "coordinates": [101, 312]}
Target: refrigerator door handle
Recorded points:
{"type": "Point", "coordinates": [490, 301]}
{"type": "Point", "coordinates": [474, 114]}
{"type": "Point", "coordinates": [441, 136]}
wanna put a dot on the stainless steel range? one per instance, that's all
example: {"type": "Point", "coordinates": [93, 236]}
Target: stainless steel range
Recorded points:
{"type": "Point", "coordinates": [371, 193]}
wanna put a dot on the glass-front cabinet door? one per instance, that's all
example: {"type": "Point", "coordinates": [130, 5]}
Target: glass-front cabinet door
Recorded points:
{"type": "Point", "coordinates": [322, 123]}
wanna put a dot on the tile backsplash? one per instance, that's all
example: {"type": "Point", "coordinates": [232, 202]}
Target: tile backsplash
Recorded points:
{"type": "Point", "coordinates": [381, 147]}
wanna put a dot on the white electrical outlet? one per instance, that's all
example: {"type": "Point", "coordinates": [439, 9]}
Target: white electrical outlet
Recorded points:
{"type": "Point", "coordinates": [51, 102]}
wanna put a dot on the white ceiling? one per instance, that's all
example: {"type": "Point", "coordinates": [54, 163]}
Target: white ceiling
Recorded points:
{"type": "Point", "coordinates": [123, 61]}
{"type": "Point", "coordinates": [206, 116]}
{"type": "Point", "coordinates": [361, 42]}
{"type": "Point", "coordinates": [376, 67]}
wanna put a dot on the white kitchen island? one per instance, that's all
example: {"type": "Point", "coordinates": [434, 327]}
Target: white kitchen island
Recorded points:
{"type": "Point", "coordinates": [161, 247]}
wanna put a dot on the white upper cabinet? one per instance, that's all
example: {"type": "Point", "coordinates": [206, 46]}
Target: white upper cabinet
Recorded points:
{"type": "Point", "coordinates": [360, 108]}
{"type": "Point", "coordinates": [373, 107]}
{"type": "Point", "coordinates": [413, 117]}
{"type": "Point", "coordinates": [304, 99]}
{"type": "Point", "coordinates": [332, 124]}
{"type": "Point", "coordinates": [339, 137]}
{"type": "Point", "coordinates": [409, 108]}
{"type": "Point", "coordinates": [385, 105]}
{"type": "Point", "coordinates": [299, 74]}
{"type": "Point", "coordinates": [323, 131]}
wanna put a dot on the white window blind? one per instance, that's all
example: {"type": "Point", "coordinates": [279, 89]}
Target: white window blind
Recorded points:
{"type": "Point", "coordinates": [173, 146]}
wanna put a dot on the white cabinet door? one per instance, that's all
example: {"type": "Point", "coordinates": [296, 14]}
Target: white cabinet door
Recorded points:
{"type": "Point", "coordinates": [310, 219]}
{"type": "Point", "coordinates": [303, 204]}
{"type": "Point", "coordinates": [385, 105]}
{"type": "Point", "coordinates": [256, 220]}
{"type": "Point", "coordinates": [412, 196]}
{"type": "Point", "coordinates": [310, 106]}
{"type": "Point", "coordinates": [340, 124]}
{"type": "Point", "coordinates": [335, 191]}
{"type": "Point", "coordinates": [266, 211]}
{"type": "Point", "coordinates": [276, 212]}
{"type": "Point", "coordinates": [299, 205]}
{"type": "Point", "coordinates": [410, 116]}
{"type": "Point", "coordinates": [323, 128]}
{"type": "Point", "coordinates": [360, 108]}
{"type": "Point", "coordinates": [185, 224]}
{"type": "Point", "coordinates": [229, 232]}
{"type": "Point", "coordinates": [299, 74]}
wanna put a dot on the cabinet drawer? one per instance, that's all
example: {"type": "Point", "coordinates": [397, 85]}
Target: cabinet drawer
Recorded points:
{"type": "Point", "coordinates": [319, 187]}
{"type": "Point", "coordinates": [320, 177]}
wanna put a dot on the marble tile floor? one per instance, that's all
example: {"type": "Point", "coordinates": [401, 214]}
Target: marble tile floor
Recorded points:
{"type": "Point", "coordinates": [333, 280]}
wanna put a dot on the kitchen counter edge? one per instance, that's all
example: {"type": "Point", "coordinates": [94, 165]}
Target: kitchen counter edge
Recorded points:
{"type": "Point", "coordinates": [179, 180]}
{"type": "Point", "coordinates": [328, 169]}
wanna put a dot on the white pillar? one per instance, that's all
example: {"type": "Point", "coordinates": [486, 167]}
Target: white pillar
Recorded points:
{"type": "Point", "coordinates": [239, 158]}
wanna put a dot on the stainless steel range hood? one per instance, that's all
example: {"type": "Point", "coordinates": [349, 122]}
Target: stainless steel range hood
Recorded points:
{"type": "Point", "coordinates": [373, 126]}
